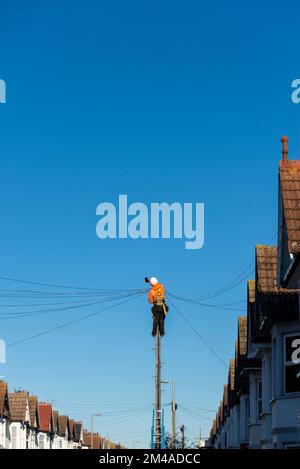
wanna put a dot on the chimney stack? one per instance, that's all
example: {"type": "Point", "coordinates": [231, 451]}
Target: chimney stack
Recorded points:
{"type": "Point", "coordinates": [284, 141]}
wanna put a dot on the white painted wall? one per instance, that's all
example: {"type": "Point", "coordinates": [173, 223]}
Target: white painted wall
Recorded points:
{"type": "Point", "coordinates": [266, 417]}
{"type": "Point", "coordinates": [254, 422]}
{"type": "Point", "coordinates": [18, 432]}
{"type": "Point", "coordinates": [43, 440]}
{"type": "Point", "coordinates": [60, 442]}
{"type": "Point", "coordinates": [235, 415]}
{"type": "Point", "coordinates": [244, 420]}
{"type": "Point", "coordinates": [4, 433]}
{"type": "Point", "coordinates": [33, 442]}
{"type": "Point", "coordinates": [285, 407]}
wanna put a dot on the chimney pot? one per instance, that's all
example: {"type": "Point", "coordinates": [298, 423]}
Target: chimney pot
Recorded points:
{"type": "Point", "coordinates": [284, 141]}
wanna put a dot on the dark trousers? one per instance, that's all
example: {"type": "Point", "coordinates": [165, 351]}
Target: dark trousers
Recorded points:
{"type": "Point", "coordinates": [158, 320]}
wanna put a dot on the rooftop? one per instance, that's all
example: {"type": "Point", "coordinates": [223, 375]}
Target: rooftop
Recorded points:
{"type": "Point", "coordinates": [45, 413]}
{"type": "Point", "coordinates": [266, 271]}
{"type": "Point", "coordinates": [18, 404]}
{"type": "Point", "coordinates": [242, 335]}
{"type": "Point", "coordinates": [289, 180]}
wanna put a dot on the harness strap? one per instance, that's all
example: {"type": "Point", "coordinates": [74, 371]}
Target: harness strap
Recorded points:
{"type": "Point", "coordinates": [160, 300]}
{"type": "Point", "coordinates": [160, 297]}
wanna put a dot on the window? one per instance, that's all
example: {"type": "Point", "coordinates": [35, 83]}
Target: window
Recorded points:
{"type": "Point", "coordinates": [274, 368]}
{"type": "Point", "coordinates": [41, 442]}
{"type": "Point", "coordinates": [27, 437]}
{"type": "Point", "coordinates": [291, 363]}
{"type": "Point", "coordinates": [14, 437]}
{"type": "Point", "coordinates": [247, 417]}
{"type": "Point", "coordinates": [7, 436]}
{"type": "Point", "coordinates": [258, 399]}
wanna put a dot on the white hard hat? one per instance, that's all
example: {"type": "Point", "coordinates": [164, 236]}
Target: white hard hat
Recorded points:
{"type": "Point", "coordinates": [153, 280]}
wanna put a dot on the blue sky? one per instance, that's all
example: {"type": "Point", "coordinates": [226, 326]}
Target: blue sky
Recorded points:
{"type": "Point", "coordinates": [163, 101]}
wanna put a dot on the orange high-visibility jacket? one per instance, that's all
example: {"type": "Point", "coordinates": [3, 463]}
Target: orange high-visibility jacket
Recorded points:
{"type": "Point", "coordinates": [156, 293]}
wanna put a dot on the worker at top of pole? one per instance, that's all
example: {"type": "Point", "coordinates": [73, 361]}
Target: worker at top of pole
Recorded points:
{"type": "Point", "coordinates": [156, 297]}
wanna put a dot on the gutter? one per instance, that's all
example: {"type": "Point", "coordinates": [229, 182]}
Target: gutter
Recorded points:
{"type": "Point", "coordinates": [291, 269]}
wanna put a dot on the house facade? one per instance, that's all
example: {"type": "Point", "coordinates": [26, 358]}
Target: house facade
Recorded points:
{"type": "Point", "coordinates": [262, 409]}
{"type": "Point", "coordinates": [63, 433]}
{"type": "Point", "coordinates": [19, 420]}
{"type": "Point", "coordinates": [4, 417]}
{"type": "Point", "coordinates": [26, 423]}
{"type": "Point", "coordinates": [34, 422]}
{"type": "Point", "coordinates": [45, 430]}
{"type": "Point", "coordinates": [78, 435]}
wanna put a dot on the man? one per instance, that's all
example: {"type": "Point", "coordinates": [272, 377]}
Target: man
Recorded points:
{"type": "Point", "coordinates": [156, 297]}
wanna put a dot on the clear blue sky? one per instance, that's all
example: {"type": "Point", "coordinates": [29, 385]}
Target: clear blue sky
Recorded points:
{"type": "Point", "coordinates": [100, 96]}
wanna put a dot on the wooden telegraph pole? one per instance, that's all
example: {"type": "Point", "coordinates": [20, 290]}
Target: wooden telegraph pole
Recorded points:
{"type": "Point", "coordinates": [158, 411]}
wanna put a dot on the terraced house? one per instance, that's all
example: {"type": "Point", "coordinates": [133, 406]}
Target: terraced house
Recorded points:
{"type": "Point", "coordinates": [95, 441]}
{"type": "Point", "coordinates": [27, 424]}
{"type": "Point", "coordinates": [4, 416]}
{"type": "Point", "coordinates": [20, 433]}
{"type": "Point", "coordinates": [62, 433]}
{"type": "Point", "coordinates": [46, 434]}
{"type": "Point", "coordinates": [34, 421]}
{"type": "Point", "coordinates": [261, 403]}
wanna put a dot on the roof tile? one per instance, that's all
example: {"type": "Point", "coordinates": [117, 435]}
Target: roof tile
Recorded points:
{"type": "Point", "coordinates": [55, 420]}
{"type": "Point", "coordinates": [251, 291]}
{"type": "Point", "coordinates": [289, 178]}
{"type": "Point", "coordinates": [33, 410]}
{"type": "Point", "coordinates": [242, 335]}
{"type": "Point", "coordinates": [62, 424]}
{"type": "Point", "coordinates": [4, 404]}
{"type": "Point", "coordinates": [87, 437]}
{"type": "Point", "coordinates": [18, 403]}
{"type": "Point", "coordinates": [45, 413]}
{"type": "Point", "coordinates": [77, 431]}
{"type": "Point", "coordinates": [266, 271]}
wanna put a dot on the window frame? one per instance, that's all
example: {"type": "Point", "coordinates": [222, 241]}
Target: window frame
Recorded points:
{"type": "Point", "coordinates": [259, 399]}
{"type": "Point", "coordinates": [41, 441]}
{"type": "Point", "coordinates": [289, 362]}
{"type": "Point", "coordinates": [14, 437]}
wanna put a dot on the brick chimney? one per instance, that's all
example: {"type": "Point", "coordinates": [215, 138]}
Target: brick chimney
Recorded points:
{"type": "Point", "coordinates": [285, 163]}
{"type": "Point", "coordinates": [284, 141]}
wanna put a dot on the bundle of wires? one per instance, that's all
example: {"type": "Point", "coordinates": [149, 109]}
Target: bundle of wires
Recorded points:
{"type": "Point", "coordinates": [41, 299]}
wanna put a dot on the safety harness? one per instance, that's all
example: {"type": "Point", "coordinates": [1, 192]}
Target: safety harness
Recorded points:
{"type": "Point", "coordinates": [160, 300]}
